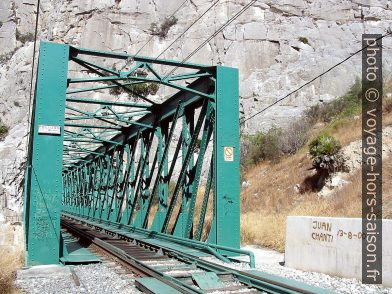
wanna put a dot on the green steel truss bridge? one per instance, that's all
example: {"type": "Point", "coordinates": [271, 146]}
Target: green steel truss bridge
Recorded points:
{"type": "Point", "coordinates": [167, 164]}
{"type": "Point", "coordinates": [153, 180]}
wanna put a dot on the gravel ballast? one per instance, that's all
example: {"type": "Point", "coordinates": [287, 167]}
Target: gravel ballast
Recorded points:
{"type": "Point", "coordinates": [269, 262]}
{"type": "Point", "coordinates": [93, 278]}
{"type": "Point", "coordinates": [99, 278]}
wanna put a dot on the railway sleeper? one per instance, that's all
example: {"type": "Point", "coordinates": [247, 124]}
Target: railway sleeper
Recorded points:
{"type": "Point", "coordinates": [187, 273]}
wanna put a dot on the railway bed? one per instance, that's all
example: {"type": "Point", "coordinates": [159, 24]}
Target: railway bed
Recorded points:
{"type": "Point", "coordinates": [164, 269]}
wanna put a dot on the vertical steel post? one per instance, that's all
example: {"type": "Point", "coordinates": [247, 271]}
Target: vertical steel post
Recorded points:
{"type": "Point", "coordinates": [127, 192]}
{"type": "Point", "coordinates": [96, 186]}
{"type": "Point", "coordinates": [116, 198]}
{"type": "Point", "coordinates": [105, 186]}
{"type": "Point", "coordinates": [144, 190]}
{"type": "Point", "coordinates": [225, 229]}
{"type": "Point", "coordinates": [187, 132]}
{"type": "Point", "coordinates": [163, 184]}
{"type": "Point", "coordinates": [44, 189]}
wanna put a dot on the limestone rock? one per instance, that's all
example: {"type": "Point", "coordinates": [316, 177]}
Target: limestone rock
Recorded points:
{"type": "Point", "coordinates": [277, 46]}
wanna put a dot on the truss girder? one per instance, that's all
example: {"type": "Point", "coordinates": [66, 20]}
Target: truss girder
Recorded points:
{"type": "Point", "coordinates": [168, 165]}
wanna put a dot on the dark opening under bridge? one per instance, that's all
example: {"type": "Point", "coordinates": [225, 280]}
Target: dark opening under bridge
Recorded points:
{"type": "Point", "coordinates": [138, 163]}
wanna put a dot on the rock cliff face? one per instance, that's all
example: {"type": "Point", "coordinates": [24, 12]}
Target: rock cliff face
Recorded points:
{"type": "Point", "coordinates": [277, 46]}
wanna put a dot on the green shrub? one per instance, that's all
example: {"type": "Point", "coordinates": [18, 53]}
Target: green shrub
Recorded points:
{"type": "Point", "coordinates": [197, 144]}
{"type": "Point", "coordinates": [3, 130]}
{"type": "Point", "coordinates": [303, 40]}
{"type": "Point", "coordinates": [388, 105]}
{"type": "Point", "coordinates": [6, 56]}
{"type": "Point", "coordinates": [325, 152]}
{"type": "Point", "coordinates": [345, 106]}
{"type": "Point", "coordinates": [262, 146]}
{"type": "Point", "coordinates": [29, 37]}
{"type": "Point", "coordinates": [142, 89]}
{"type": "Point", "coordinates": [348, 105]}
{"type": "Point", "coordinates": [274, 143]}
{"type": "Point", "coordinates": [116, 91]}
{"type": "Point", "coordinates": [164, 28]}
{"type": "Point", "coordinates": [324, 145]}
{"type": "Point", "coordinates": [296, 136]}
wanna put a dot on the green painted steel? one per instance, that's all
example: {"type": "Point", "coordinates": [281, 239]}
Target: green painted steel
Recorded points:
{"type": "Point", "coordinates": [139, 160]}
{"type": "Point", "coordinates": [153, 285]}
{"type": "Point", "coordinates": [225, 229]}
{"type": "Point", "coordinates": [188, 251]}
{"type": "Point", "coordinates": [44, 184]}
{"type": "Point", "coordinates": [74, 253]}
{"type": "Point", "coordinates": [304, 288]}
{"type": "Point", "coordinates": [186, 245]}
{"type": "Point", "coordinates": [105, 102]}
{"type": "Point", "coordinates": [207, 280]}
{"type": "Point", "coordinates": [162, 183]}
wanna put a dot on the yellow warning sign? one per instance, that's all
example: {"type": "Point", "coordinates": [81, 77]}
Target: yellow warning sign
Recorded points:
{"type": "Point", "coordinates": [229, 153]}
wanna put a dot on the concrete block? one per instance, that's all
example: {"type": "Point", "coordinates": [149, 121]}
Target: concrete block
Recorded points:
{"type": "Point", "coordinates": [332, 246]}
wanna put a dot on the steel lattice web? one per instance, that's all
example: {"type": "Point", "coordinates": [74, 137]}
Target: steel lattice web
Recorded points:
{"type": "Point", "coordinates": [144, 142]}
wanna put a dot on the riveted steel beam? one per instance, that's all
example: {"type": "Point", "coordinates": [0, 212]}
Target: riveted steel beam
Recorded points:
{"type": "Point", "coordinates": [44, 184]}
{"type": "Point", "coordinates": [145, 162]}
{"type": "Point", "coordinates": [106, 102]}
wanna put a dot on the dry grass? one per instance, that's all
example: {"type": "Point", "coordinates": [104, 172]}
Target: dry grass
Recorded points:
{"type": "Point", "coordinates": [271, 197]}
{"type": "Point", "coordinates": [208, 217]}
{"type": "Point", "coordinates": [264, 224]}
{"type": "Point", "coordinates": [10, 261]}
{"type": "Point", "coordinates": [354, 127]}
{"type": "Point", "coordinates": [197, 212]}
{"type": "Point", "coordinates": [261, 228]}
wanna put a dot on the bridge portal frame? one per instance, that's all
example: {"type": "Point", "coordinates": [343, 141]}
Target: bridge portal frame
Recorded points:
{"type": "Point", "coordinates": [58, 178]}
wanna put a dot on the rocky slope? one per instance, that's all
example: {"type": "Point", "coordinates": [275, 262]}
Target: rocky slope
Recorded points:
{"type": "Point", "coordinates": [353, 156]}
{"type": "Point", "coordinates": [277, 46]}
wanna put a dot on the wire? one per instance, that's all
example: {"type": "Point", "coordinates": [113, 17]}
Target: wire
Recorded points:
{"type": "Point", "coordinates": [152, 36]}
{"type": "Point", "coordinates": [187, 29]}
{"type": "Point", "coordinates": [171, 44]}
{"type": "Point", "coordinates": [32, 75]}
{"type": "Point", "coordinates": [213, 35]}
{"type": "Point", "coordinates": [183, 33]}
{"type": "Point", "coordinates": [312, 80]}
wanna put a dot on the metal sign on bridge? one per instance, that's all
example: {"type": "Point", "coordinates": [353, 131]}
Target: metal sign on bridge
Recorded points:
{"type": "Point", "coordinates": [169, 164]}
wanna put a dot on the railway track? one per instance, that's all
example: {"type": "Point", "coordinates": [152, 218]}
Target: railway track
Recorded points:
{"type": "Point", "coordinates": [161, 269]}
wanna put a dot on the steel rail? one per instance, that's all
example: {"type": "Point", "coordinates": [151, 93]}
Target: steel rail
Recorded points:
{"type": "Point", "coordinates": [265, 283]}
{"type": "Point", "coordinates": [138, 265]}
{"type": "Point", "coordinates": [175, 239]}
